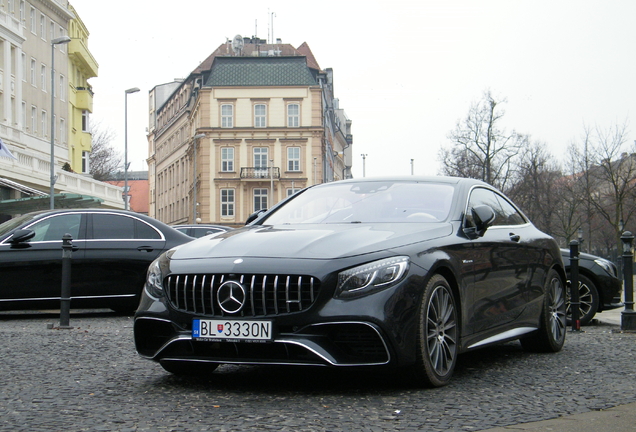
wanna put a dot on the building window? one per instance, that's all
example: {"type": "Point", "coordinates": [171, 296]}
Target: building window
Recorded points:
{"type": "Point", "coordinates": [22, 12]}
{"type": "Point", "coordinates": [227, 202]}
{"type": "Point", "coordinates": [293, 115]}
{"type": "Point", "coordinates": [85, 162]}
{"type": "Point", "coordinates": [227, 159]}
{"type": "Point", "coordinates": [227, 115]}
{"type": "Point", "coordinates": [61, 92]}
{"type": "Point", "coordinates": [293, 159]}
{"type": "Point", "coordinates": [260, 161]}
{"type": "Point", "coordinates": [260, 115]}
{"type": "Point", "coordinates": [62, 133]}
{"type": "Point", "coordinates": [33, 79]}
{"type": "Point", "coordinates": [43, 122]}
{"type": "Point", "coordinates": [42, 20]}
{"type": "Point", "coordinates": [24, 115]}
{"type": "Point", "coordinates": [84, 121]}
{"type": "Point", "coordinates": [24, 67]}
{"type": "Point", "coordinates": [34, 120]}
{"type": "Point", "coordinates": [260, 199]}
{"type": "Point", "coordinates": [43, 77]}
{"type": "Point", "coordinates": [32, 19]}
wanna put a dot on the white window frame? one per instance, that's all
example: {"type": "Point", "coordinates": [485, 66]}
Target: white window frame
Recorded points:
{"type": "Point", "coordinates": [293, 119]}
{"type": "Point", "coordinates": [227, 202]}
{"type": "Point", "coordinates": [33, 72]}
{"type": "Point", "coordinates": [261, 198]}
{"type": "Point", "coordinates": [227, 159]}
{"type": "Point", "coordinates": [34, 119]}
{"type": "Point", "coordinates": [44, 122]}
{"type": "Point", "coordinates": [43, 77]}
{"type": "Point", "coordinates": [227, 115]}
{"type": "Point", "coordinates": [260, 115]}
{"type": "Point", "coordinates": [85, 121]}
{"type": "Point", "coordinates": [293, 159]}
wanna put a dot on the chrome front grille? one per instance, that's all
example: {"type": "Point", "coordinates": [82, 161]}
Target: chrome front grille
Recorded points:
{"type": "Point", "coordinates": [266, 295]}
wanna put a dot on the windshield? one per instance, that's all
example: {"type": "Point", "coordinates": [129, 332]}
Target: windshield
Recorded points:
{"type": "Point", "coordinates": [367, 202]}
{"type": "Point", "coordinates": [14, 223]}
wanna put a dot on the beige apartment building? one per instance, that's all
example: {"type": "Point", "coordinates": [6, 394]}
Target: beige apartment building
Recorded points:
{"type": "Point", "coordinates": [254, 123]}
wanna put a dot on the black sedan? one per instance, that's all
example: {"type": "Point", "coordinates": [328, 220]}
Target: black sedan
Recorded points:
{"type": "Point", "coordinates": [407, 272]}
{"type": "Point", "coordinates": [599, 286]}
{"type": "Point", "coordinates": [111, 254]}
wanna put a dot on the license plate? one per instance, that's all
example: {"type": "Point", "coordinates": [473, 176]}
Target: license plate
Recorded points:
{"type": "Point", "coordinates": [232, 330]}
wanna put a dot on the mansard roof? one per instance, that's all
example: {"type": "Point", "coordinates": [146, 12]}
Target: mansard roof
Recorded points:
{"type": "Point", "coordinates": [261, 71]}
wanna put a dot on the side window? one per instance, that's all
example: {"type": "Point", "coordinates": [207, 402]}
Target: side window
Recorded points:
{"type": "Point", "coordinates": [145, 231]}
{"type": "Point", "coordinates": [510, 214]}
{"type": "Point", "coordinates": [112, 227]}
{"type": "Point", "coordinates": [116, 227]}
{"type": "Point", "coordinates": [481, 196]}
{"type": "Point", "coordinates": [53, 228]}
{"type": "Point", "coordinates": [505, 213]}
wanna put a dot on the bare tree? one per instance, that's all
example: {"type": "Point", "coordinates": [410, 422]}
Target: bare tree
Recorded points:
{"type": "Point", "coordinates": [480, 148]}
{"type": "Point", "coordinates": [534, 187]}
{"type": "Point", "coordinates": [103, 159]}
{"type": "Point", "coordinates": [615, 175]}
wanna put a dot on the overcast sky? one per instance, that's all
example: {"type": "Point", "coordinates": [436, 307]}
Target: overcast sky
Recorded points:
{"type": "Point", "coordinates": [405, 71]}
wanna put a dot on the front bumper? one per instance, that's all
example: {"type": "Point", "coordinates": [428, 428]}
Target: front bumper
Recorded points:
{"type": "Point", "coordinates": [343, 343]}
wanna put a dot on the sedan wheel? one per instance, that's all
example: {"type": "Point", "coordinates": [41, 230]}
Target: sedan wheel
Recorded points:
{"type": "Point", "coordinates": [437, 335]}
{"type": "Point", "coordinates": [551, 334]}
{"type": "Point", "coordinates": [589, 299]}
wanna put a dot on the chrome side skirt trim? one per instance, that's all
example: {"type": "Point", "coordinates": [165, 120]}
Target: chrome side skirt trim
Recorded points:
{"type": "Point", "coordinates": [510, 334]}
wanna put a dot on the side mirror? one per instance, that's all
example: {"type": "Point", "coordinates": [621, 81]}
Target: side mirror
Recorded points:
{"type": "Point", "coordinates": [21, 236]}
{"type": "Point", "coordinates": [484, 217]}
{"type": "Point", "coordinates": [251, 218]}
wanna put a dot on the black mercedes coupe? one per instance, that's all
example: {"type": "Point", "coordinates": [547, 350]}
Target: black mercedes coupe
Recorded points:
{"type": "Point", "coordinates": [406, 272]}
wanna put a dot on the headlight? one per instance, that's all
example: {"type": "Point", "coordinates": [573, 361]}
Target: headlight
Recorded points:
{"type": "Point", "coordinates": [154, 280]}
{"type": "Point", "coordinates": [371, 277]}
{"type": "Point", "coordinates": [607, 266]}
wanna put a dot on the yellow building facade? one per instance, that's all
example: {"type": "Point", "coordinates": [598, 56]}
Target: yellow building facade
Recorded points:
{"type": "Point", "coordinates": [81, 67]}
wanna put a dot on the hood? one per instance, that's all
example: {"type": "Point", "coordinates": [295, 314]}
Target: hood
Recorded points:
{"type": "Point", "coordinates": [310, 241]}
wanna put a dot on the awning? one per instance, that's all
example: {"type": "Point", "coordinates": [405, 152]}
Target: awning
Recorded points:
{"type": "Point", "coordinates": [62, 200]}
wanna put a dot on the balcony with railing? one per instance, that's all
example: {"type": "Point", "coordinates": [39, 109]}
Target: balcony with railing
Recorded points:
{"type": "Point", "coordinates": [258, 173]}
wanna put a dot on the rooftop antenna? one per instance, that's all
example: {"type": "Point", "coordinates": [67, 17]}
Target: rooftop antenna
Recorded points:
{"type": "Point", "coordinates": [273, 15]}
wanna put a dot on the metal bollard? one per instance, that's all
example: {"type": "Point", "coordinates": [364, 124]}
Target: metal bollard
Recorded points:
{"type": "Point", "coordinates": [65, 298]}
{"type": "Point", "coordinates": [575, 301]}
{"type": "Point", "coordinates": [628, 316]}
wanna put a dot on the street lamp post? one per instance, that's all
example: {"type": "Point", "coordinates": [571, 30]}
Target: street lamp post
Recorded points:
{"type": "Point", "coordinates": [628, 316]}
{"type": "Point", "coordinates": [127, 92]}
{"type": "Point", "coordinates": [194, 175]}
{"type": "Point", "coordinates": [56, 41]}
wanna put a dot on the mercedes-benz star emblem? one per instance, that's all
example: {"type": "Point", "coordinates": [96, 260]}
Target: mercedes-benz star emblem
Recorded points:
{"type": "Point", "coordinates": [231, 297]}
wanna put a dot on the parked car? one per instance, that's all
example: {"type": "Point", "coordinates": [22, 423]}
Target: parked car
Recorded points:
{"type": "Point", "coordinates": [111, 254]}
{"type": "Point", "coordinates": [200, 230]}
{"type": "Point", "coordinates": [599, 286]}
{"type": "Point", "coordinates": [406, 272]}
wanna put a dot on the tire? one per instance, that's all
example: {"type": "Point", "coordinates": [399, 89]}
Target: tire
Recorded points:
{"type": "Point", "coordinates": [185, 368]}
{"type": "Point", "coordinates": [550, 336]}
{"type": "Point", "coordinates": [437, 336]}
{"type": "Point", "coordinates": [589, 299]}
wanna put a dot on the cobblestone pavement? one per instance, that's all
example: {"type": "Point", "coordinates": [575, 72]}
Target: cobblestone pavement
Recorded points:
{"type": "Point", "coordinates": [90, 378]}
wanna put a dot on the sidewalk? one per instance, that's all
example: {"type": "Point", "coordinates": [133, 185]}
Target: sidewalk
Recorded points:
{"type": "Point", "coordinates": [617, 419]}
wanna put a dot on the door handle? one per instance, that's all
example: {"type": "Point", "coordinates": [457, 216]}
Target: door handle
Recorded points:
{"type": "Point", "coordinates": [145, 248]}
{"type": "Point", "coordinates": [515, 237]}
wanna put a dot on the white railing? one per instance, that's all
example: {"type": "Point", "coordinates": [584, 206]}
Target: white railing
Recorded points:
{"type": "Point", "coordinates": [34, 172]}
